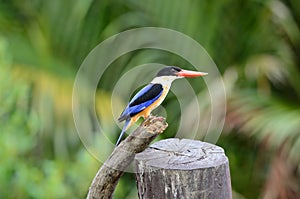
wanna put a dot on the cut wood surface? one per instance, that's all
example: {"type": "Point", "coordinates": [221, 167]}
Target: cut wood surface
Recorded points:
{"type": "Point", "coordinates": [182, 168]}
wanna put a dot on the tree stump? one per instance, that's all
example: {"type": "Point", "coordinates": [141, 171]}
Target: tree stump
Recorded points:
{"type": "Point", "coordinates": [182, 168]}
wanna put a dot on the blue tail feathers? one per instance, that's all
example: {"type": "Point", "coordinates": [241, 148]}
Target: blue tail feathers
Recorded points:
{"type": "Point", "coordinates": [127, 122]}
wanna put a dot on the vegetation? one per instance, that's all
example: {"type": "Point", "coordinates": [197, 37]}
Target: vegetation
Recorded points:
{"type": "Point", "coordinates": [255, 44]}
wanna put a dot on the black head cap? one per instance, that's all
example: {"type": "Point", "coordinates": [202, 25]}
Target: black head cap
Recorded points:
{"type": "Point", "coordinates": [169, 71]}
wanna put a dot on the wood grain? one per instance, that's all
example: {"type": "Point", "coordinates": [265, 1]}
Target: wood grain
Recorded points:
{"type": "Point", "coordinates": [175, 168]}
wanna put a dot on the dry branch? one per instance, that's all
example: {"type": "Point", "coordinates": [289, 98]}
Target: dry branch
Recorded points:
{"type": "Point", "coordinates": [108, 175]}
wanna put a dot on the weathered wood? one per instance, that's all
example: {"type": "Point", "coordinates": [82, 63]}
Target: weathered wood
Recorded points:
{"type": "Point", "coordinates": [108, 175]}
{"type": "Point", "coordinates": [175, 168]}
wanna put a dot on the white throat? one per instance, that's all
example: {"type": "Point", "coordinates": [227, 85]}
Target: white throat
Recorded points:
{"type": "Point", "coordinates": [164, 80]}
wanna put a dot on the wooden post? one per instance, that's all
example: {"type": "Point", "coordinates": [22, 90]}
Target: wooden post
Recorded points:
{"type": "Point", "coordinates": [181, 168]}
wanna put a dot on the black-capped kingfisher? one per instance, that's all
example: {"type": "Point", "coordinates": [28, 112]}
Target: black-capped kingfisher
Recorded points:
{"type": "Point", "coordinates": [152, 95]}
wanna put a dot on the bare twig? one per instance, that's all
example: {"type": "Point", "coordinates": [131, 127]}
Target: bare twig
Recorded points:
{"type": "Point", "coordinates": [108, 175]}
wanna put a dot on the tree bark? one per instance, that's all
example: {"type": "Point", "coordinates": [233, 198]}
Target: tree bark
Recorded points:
{"type": "Point", "coordinates": [108, 175]}
{"type": "Point", "coordinates": [175, 168]}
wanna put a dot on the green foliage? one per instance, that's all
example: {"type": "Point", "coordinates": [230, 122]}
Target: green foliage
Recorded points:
{"type": "Point", "coordinates": [254, 43]}
{"type": "Point", "coordinates": [22, 173]}
{"type": "Point", "coordinates": [242, 160]}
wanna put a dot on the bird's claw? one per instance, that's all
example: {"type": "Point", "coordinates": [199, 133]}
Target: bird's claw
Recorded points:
{"type": "Point", "coordinates": [159, 118]}
{"type": "Point", "coordinates": [155, 124]}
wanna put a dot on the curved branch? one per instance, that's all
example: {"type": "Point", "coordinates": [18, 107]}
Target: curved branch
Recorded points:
{"type": "Point", "coordinates": [108, 175]}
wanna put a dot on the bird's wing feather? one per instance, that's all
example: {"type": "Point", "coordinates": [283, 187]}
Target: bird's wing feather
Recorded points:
{"type": "Point", "coordinates": [142, 100]}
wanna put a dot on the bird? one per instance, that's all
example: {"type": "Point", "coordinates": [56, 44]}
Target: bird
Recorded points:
{"type": "Point", "coordinates": [152, 95]}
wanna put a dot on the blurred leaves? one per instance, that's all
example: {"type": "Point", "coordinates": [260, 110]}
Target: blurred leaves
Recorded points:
{"type": "Point", "coordinates": [255, 43]}
{"type": "Point", "coordinates": [22, 173]}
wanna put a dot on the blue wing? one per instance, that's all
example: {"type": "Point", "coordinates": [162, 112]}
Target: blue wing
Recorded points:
{"type": "Point", "coordinates": [142, 100]}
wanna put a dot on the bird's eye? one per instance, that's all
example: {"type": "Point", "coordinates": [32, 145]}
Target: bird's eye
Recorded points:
{"type": "Point", "coordinates": [174, 69]}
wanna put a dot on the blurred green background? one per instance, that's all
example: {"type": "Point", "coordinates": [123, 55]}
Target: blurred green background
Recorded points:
{"type": "Point", "coordinates": [255, 44]}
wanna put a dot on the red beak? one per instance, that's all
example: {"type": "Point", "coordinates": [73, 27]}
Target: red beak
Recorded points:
{"type": "Point", "coordinates": [189, 73]}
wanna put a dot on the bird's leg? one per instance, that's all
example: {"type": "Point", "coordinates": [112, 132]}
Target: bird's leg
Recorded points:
{"type": "Point", "coordinates": [157, 118]}
{"type": "Point", "coordinates": [150, 119]}
{"type": "Point", "coordinates": [155, 123]}
{"type": "Point", "coordinates": [149, 116]}
{"type": "Point", "coordinates": [147, 119]}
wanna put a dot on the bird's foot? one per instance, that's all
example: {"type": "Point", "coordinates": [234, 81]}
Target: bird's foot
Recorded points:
{"type": "Point", "coordinates": [155, 123]}
{"type": "Point", "coordinates": [158, 118]}
{"type": "Point", "coordinates": [152, 118]}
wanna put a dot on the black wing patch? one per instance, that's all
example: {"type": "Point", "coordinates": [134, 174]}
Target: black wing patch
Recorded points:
{"type": "Point", "coordinates": [152, 93]}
